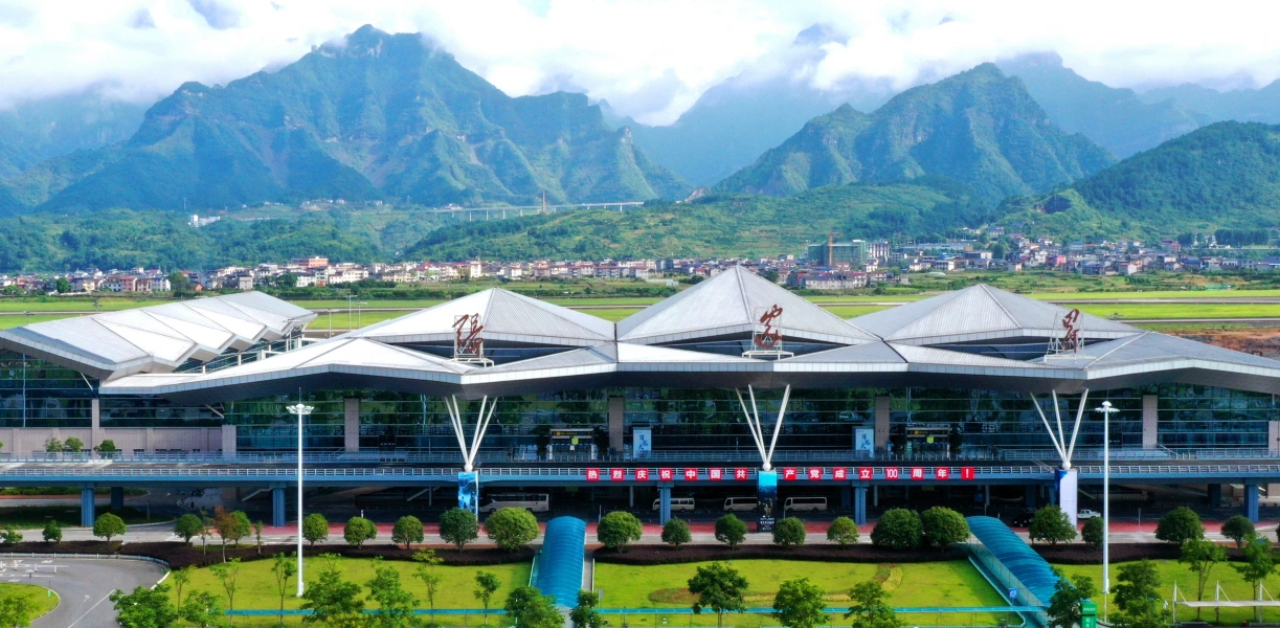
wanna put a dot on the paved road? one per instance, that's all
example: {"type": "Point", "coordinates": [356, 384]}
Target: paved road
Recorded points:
{"type": "Point", "coordinates": [82, 585]}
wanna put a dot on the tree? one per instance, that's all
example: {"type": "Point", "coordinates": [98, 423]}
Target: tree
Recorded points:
{"type": "Point", "coordinates": [897, 528]}
{"type": "Point", "coordinates": [719, 588]}
{"type": "Point", "coordinates": [789, 532]}
{"type": "Point", "coordinates": [283, 568]}
{"type": "Point", "coordinates": [144, 608]}
{"type": "Point", "coordinates": [205, 524]}
{"type": "Point", "coordinates": [315, 528]}
{"type": "Point", "coordinates": [1180, 525]}
{"type": "Point", "coordinates": [52, 531]}
{"type": "Point", "coordinates": [426, 572]}
{"type": "Point", "coordinates": [257, 536]}
{"type": "Point", "coordinates": [358, 530]}
{"type": "Point", "coordinates": [459, 526]}
{"type": "Point", "coordinates": [53, 445]}
{"type": "Point", "coordinates": [73, 445]}
{"type": "Point", "coordinates": [407, 531]}
{"type": "Point", "coordinates": [799, 604]}
{"type": "Point", "coordinates": [181, 577]}
{"type": "Point", "coordinates": [869, 608]}
{"type": "Point", "coordinates": [15, 610]}
{"type": "Point", "coordinates": [943, 526]}
{"type": "Point", "coordinates": [529, 608]}
{"type": "Point", "coordinates": [1258, 564]}
{"type": "Point", "coordinates": [585, 615]}
{"type": "Point", "coordinates": [1138, 596]}
{"type": "Point", "coordinates": [231, 526]}
{"type": "Point", "coordinates": [395, 604]}
{"type": "Point", "coordinates": [1051, 524]}
{"type": "Point", "coordinates": [1238, 529]}
{"type": "Point", "coordinates": [333, 602]}
{"type": "Point", "coordinates": [486, 585]}
{"type": "Point", "coordinates": [1064, 606]}
{"type": "Point", "coordinates": [203, 610]}
{"type": "Point", "coordinates": [1201, 555]}
{"type": "Point", "coordinates": [62, 286]}
{"type": "Point", "coordinates": [675, 532]}
{"type": "Point", "coordinates": [1092, 532]}
{"type": "Point", "coordinates": [188, 527]}
{"type": "Point", "coordinates": [10, 536]}
{"type": "Point", "coordinates": [106, 447]}
{"type": "Point", "coordinates": [731, 531]}
{"type": "Point", "coordinates": [618, 529]}
{"type": "Point", "coordinates": [108, 525]}
{"type": "Point", "coordinates": [228, 573]}
{"type": "Point", "coordinates": [843, 531]}
{"type": "Point", "coordinates": [511, 528]}
{"type": "Point", "coordinates": [178, 282]}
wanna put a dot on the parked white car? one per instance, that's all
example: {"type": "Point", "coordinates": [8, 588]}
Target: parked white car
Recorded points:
{"type": "Point", "coordinates": [1086, 513]}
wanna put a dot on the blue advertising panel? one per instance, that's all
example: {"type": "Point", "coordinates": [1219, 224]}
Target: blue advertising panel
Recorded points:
{"type": "Point", "coordinates": [469, 492]}
{"type": "Point", "coordinates": [766, 500]}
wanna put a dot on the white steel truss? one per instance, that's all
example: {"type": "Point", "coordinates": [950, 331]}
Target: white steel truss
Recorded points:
{"type": "Point", "coordinates": [752, 416]}
{"type": "Point", "coordinates": [1064, 447]}
{"type": "Point", "coordinates": [482, 425]}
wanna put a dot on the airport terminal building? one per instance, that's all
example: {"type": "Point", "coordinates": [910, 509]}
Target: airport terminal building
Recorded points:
{"type": "Point", "coordinates": [734, 375]}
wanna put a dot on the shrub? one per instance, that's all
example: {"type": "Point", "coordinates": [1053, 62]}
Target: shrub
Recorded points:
{"type": "Point", "coordinates": [1051, 524]}
{"type": "Point", "coordinates": [789, 532]}
{"type": "Point", "coordinates": [511, 528]}
{"type": "Point", "coordinates": [1092, 532]}
{"type": "Point", "coordinates": [52, 532]}
{"type": "Point", "coordinates": [315, 528]}
{"type": "Point", "coordinates": [108, 525]}
{"type": "Point", "coordinates": [618, 529]}
{"type": "Point", "coordinates": [730, 530]}
{"type": "Point", "coordinates": [459, 526]}
{"type": "Point", "coordinates": [107, 446]}
{"type": "Point", "coordinates": [73, 445]}
{"type": "Point", "coordinates": [358, 530]}
{"type": "Point", "coordinates": [898, 528]}
{"type": "Point", "coordinates": [407, 531]}
{"type": "Point", "coordinates": [1180, 525]}
{"type": "Point", "coordinates": [53, 445]}
{"type": "Point", "coordinates": [943, 526]}
{"type": "Point", "coordinates": [843, 531]}
{"type": "Point", "coordinates": [675, 532]}
{"type": "Point", "coordinates": [10, 536]}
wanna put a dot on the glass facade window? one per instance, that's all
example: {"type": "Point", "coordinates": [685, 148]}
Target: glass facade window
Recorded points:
{"type": "Point", "coordinates": [1205, 416]}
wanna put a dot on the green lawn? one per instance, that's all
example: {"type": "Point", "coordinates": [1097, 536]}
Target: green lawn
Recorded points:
{"type": "Point", "coordinates": [943, 584]}
{"type": "Point", "coordinates": [33, 518]}
{"type": "Point", "coordinates": [256, 585]}
{"type": "Point", "coordinates": [39, 597]}
{"type": "Point", "coordinates": [1170, 571]}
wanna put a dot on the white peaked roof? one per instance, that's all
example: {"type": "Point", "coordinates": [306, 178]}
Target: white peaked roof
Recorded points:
{"type": "Point", "coordinates": [732, 303]}
{"type": "Point", "coordinates": [1154, 352]}
{"type": "Point", "coordinates": [981, 313]}
{"type": "Point", "coordinates": [157, 339]}
{"type": "Point", "coordinates": [506, 316]}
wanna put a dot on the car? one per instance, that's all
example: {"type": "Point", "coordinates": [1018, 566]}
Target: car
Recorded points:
{"type": "Point", "coordinates": [1086, 513]}
{"type": "Point", "coordinates": [1023, 519]}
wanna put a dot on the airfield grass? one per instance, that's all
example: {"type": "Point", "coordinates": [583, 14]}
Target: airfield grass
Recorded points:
{"type": "Point", "coordinates": [39, 597]}
{"type": "Point", "coordinates": [940, 584]}
{"type": "Point", "coordinates": [1233, 586]}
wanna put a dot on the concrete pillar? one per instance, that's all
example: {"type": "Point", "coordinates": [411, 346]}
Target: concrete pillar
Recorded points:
{"type": "Point", "coordinates": [1273, 437]}
{"type": "Point", "coordinates": [95, 423]}
{"type": "Point", "coordinates": [1251, 502]}
{"type": "Point", "coordinates": [664, 504]}
{"type": "Point", "coordinates": [351, 424]}
{"type": "Point", "coordinates": [860, 505]}
{"type": "Point", "coordinates": [882, 423]}
{"type": "Point", "coordinates": [228, 442]}
{"type": "Point", "coordinates": [117, 498]}
{"type": "Point", "coordinates": [149, 442]}
{"type": "Point", "coordinates": [617, 416]}
{"type": "Point", "coordinates": [86, 507]}
{"type": "Point", "coordinates": [1150, 434]}
{"type": "Point", "coordinates": [1215, 495]}
{"type": "Point", "coordinates": [278, 515]}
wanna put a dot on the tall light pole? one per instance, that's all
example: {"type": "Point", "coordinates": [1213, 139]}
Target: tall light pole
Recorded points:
{"type": "Point", "coordinates": [1106, 411]}
{"type": "Point", "coordinates": [350, 300]}
{"type": "Point", "coordinates": [301, 410]}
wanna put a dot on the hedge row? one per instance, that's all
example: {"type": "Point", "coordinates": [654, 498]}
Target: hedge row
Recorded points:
{"type": "Point", "coordinates": [179, 555]}
{"type": "Point", "coordinates": [862, 553]}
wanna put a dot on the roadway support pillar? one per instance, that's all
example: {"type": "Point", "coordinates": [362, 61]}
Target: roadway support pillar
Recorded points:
{"type": "Point", "coordinates": [117, 498]}
{"type": "Point", "coordinates": [860, 506]}
{"type": "Point", "coordinates": [278, 515]}
{"type": "Point", "coordinates": [846, 497]}
{"type": "Point", "coordinates": [1215, 495]}
{"type": "Point", "coordinates": [86, 507]}
{"type": "Point", "coordinates": [1251, 502]}
{"type": "Point", "coordinates": [664, 504]}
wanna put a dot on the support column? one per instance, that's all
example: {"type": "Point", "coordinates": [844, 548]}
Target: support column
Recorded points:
{"type": "Point", "coordinates": [95, 423]}
{"type": "Point", "coordinates": [228, 442]}
{"type": "Point", "coordinates": [617, 422]}
{"type": "Point", "coordinates": [1215, 495]}
{"type": "Point", "coordinates": [664, 504]}
{"type": "Point", "coordinates": [1150, 433]}
{"type": "Point", "coordinates": [860, 506]}
{"type": "Point", "coordinates": [1251, 502]}
{"type": "Point", "coordinates": [1273, 437]}
{"type": "Point", "coordinates": [86, 507]}
{"type": "Point", "coordinates": [117, 498]}
{"type": "Point", "coordinates": [351, 424]}
{"type": "Point", "coordinates": [278, 515]}
{"type": "Point", "coordinates": [882, 423]}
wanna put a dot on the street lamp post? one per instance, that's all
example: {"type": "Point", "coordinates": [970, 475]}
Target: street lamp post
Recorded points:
{"type": "Point", "coordinates": [301, 410]}
{"type": "Point", "coordinates": [1106, 411]}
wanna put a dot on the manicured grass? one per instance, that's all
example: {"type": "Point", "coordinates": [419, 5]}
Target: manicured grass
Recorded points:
{"type": "Point", "coordinates": [34, 517]}
{"type": "Point", "coordinates": [256, 585]}
{"type": "Point", "coordinates": [1233, 586]}
{"type": "Point", "coordinates": [941, 584]}
{"type": "Point", "coordinates": [38, 596]}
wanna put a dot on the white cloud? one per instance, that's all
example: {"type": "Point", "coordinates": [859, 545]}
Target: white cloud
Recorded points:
{"type": "Point", "coordinates": [650, 59]}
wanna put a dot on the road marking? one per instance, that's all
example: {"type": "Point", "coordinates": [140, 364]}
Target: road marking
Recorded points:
{"type": "Point", "coordinates": [86, 613]}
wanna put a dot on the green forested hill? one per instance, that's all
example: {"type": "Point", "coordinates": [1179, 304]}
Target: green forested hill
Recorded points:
{"type": "Point", "coordinates": [380, 116]}
{"type": "Point", "coordinates": [978, 127]}
{"type": "Point", "coordinates": [1225, 175]}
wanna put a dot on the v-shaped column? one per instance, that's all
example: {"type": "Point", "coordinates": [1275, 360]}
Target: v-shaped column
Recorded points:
{"type": "Point", "coordinates": [752, 416]}
{"type": "Point", "coordinates": [482, 425]}
{"type": "Point", "coordinates": [1064, 447]}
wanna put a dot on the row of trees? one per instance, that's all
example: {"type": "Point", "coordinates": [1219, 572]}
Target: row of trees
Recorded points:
{"type": "Point", "coordinates": [75, 445]}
